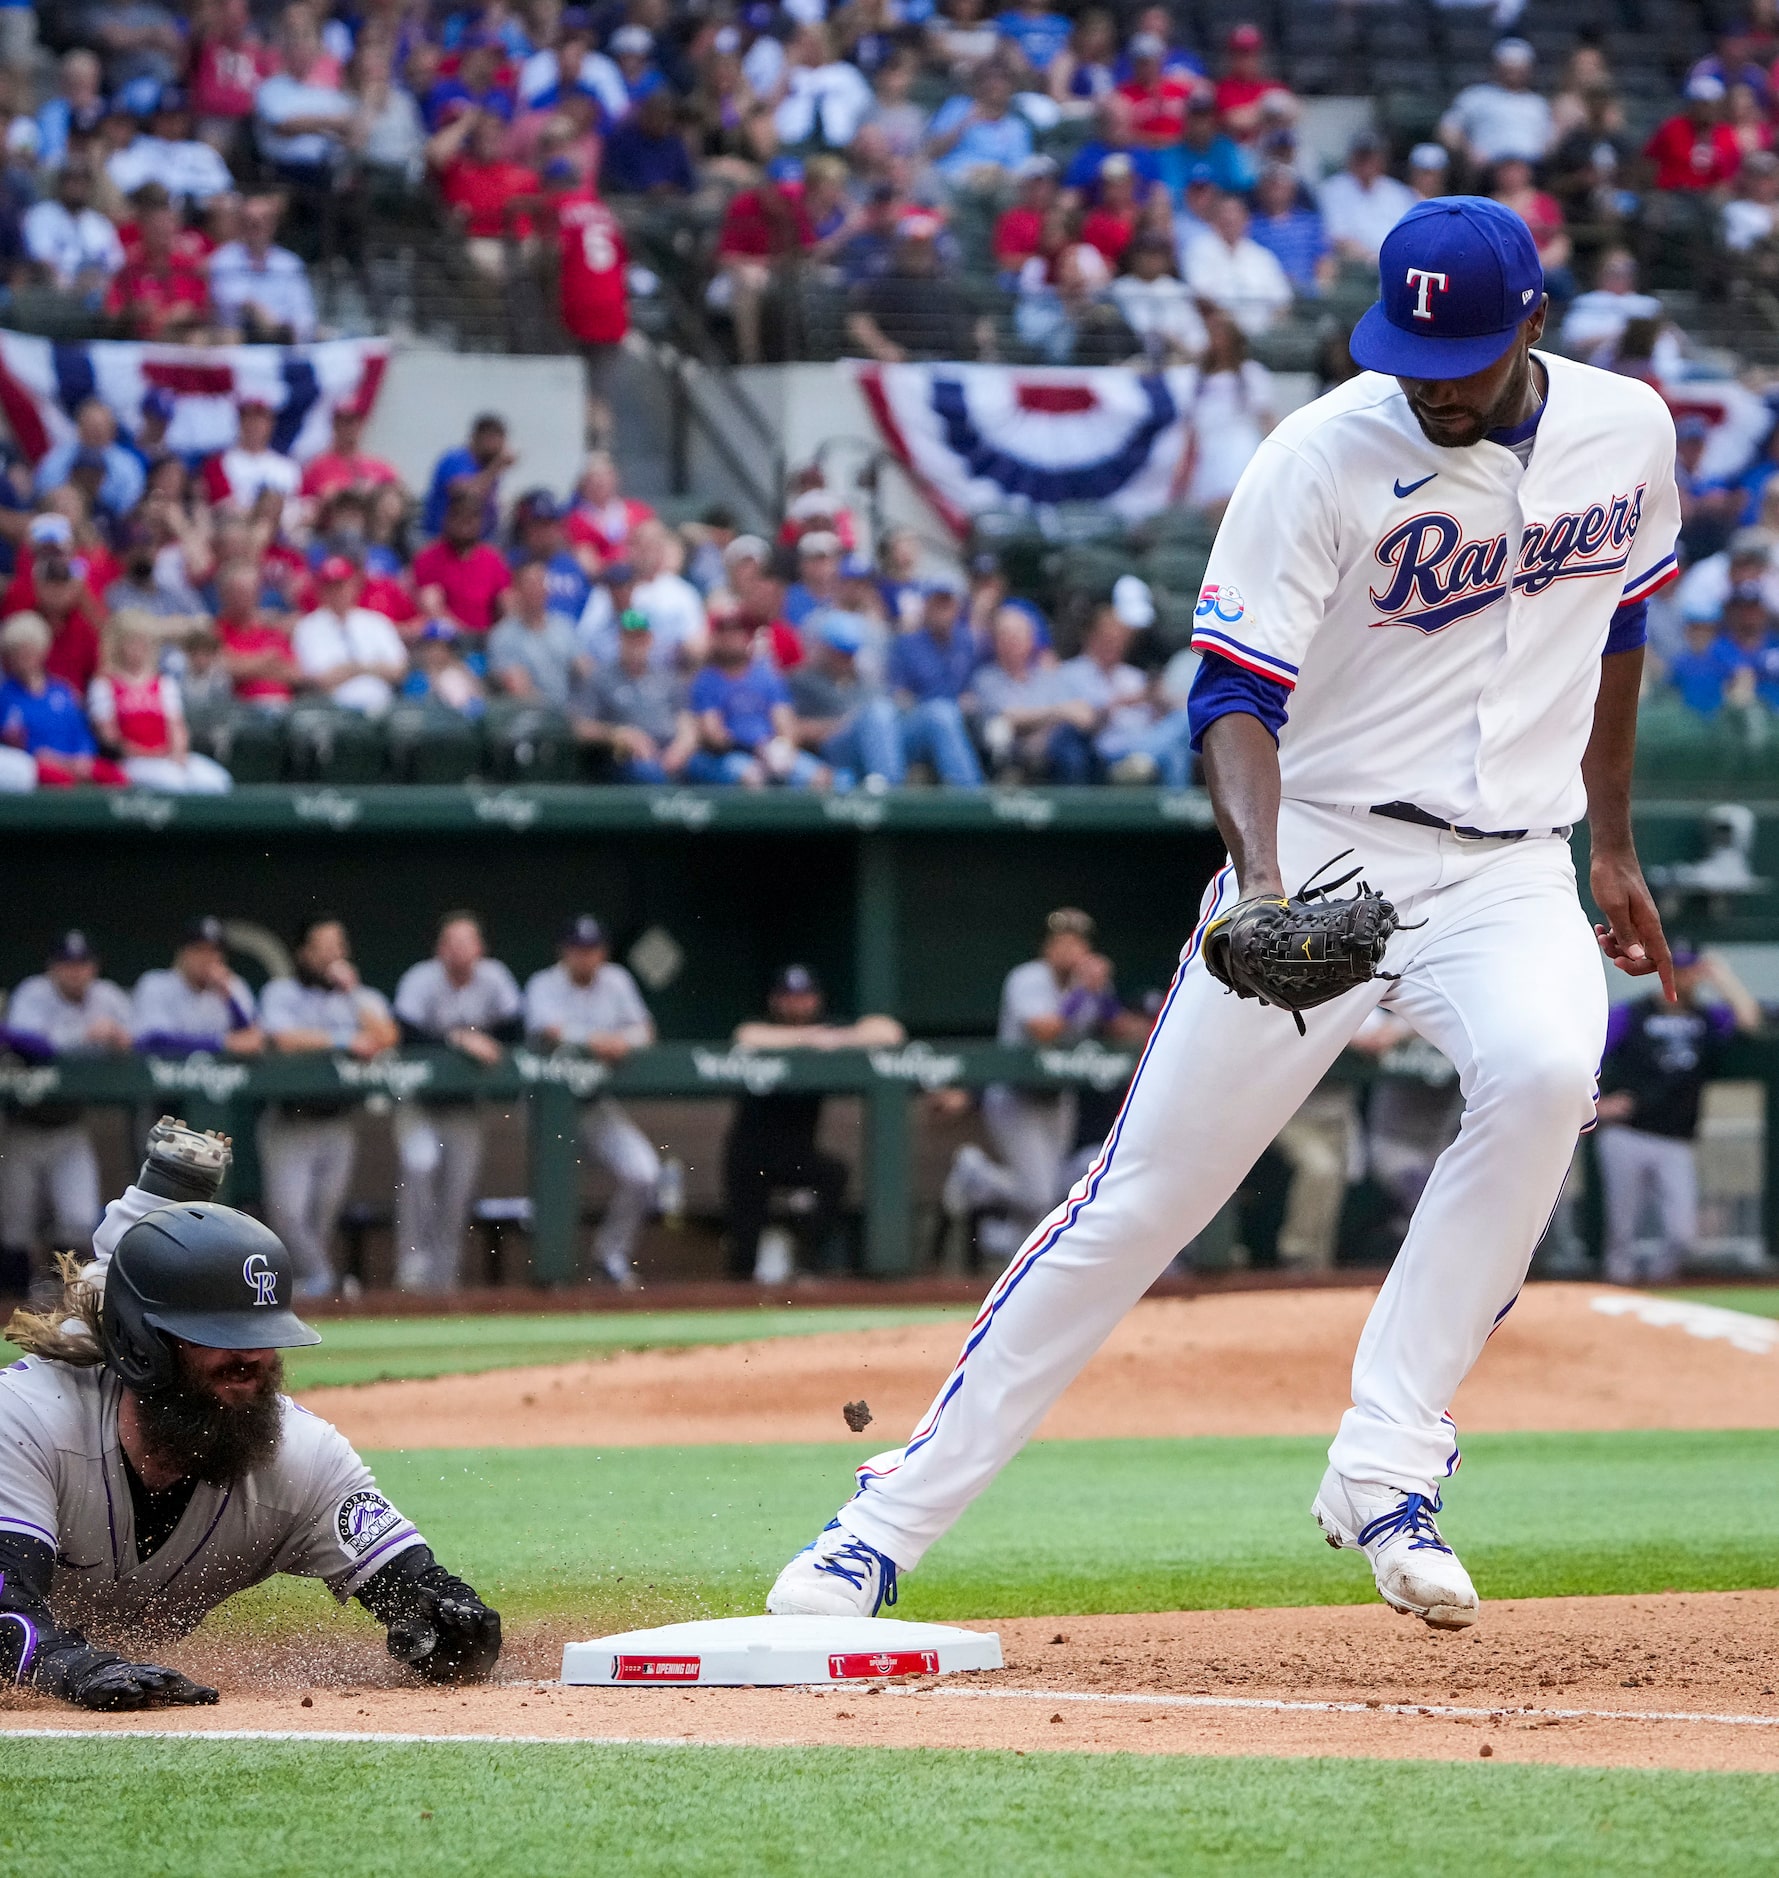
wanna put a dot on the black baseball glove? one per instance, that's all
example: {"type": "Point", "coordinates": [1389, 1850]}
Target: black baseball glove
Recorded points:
{"type": "Point", "coordinates": [1301, 951]}
{"type": "Point", "coordinates": [100, 1679]}
{"type": "Point", "coordinates": [437, 1624]}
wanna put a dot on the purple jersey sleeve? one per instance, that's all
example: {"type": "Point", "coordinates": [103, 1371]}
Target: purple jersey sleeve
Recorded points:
{"type": "Point", "coordinates": [1629, 628]}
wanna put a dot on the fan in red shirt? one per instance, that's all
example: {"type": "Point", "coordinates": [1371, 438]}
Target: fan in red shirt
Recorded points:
{"type": "Point", "coordinates": [602, 517]}
{"type": "Point", "coordinates": [228, 66]}
{"type": "Point", "coordinates": [1244, 83]}
{"type": "Point", "coordinates": [1696, 150]}
{"type": "Point", "coordinates": [1157, 98]}
{"type": "Point", "coordinates": [490, 197]}
{"type": "Point", "coordinates": [157, 293]}
{"type": "Point", "coordinates": [343, 465]}
{"type": "Point", "coordinates": [759, 226]}
{"type": "Point", "coordinates": [47, 583]}
{"type": "Point", "coordinates": [1020, 231]}
{"type": "Point", "coordinates": [1111, 225]}
{"type": "Point", "coordinates": [460, 575]}
{"type": "Point", "coordinates": [255, 653]}
{"type": "Point", "coordinates": [592, 263]}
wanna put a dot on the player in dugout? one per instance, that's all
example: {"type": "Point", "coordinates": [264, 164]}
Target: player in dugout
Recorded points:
{"type": "Point", "coordinates": [150, 1466]}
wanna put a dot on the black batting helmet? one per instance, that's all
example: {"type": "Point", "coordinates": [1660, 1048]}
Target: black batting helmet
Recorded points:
{"type": "Point", "coordinates": [204, 1273]}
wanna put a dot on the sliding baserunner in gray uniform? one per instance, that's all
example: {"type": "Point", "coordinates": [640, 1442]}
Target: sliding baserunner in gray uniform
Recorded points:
{"type": "Point", "coordinates": [150, 1468]}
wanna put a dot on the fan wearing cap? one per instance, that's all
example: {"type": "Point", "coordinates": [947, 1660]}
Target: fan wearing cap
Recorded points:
{"type": "Point", "coordinates": [634, 707]}
{"type": "Point", "coordinates": [587, 1003]}
{"type": "Point", "coordinates": [1362, 202]}
{"type": "Point", "coordinates": [772, 1147]}
{"type": "Point", "coordinates": [1695, 150]}
{"type": "Point", "coordinates": [1245, 82]}
{"type": "Point", "coordinates": [151, 1467]}
{"type": "Point", "coordinates": [343, 649]}
{"type": "Point", "coordinates": [1422, 630]}
{"type": "Point", "coordinates": [95, 445]}
{"type": "Point", "coordinates": [49, 583]}
{"type": "Point", "coordinates": [197, 1003]}
{"type": "Point", "coordinates": [49, 1169]}
{"type": "Point", "coordinates": [1502, 117]}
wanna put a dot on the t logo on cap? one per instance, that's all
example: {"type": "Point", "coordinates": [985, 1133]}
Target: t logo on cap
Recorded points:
{"type": "Point", "coordinates": [1424, 281]}
{"type": "Point", "coordinates": [1480, 259]}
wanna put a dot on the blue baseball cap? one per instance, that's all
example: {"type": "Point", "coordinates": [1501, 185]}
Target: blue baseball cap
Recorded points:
{"type": "Point", "coordinates": [1456, 276]}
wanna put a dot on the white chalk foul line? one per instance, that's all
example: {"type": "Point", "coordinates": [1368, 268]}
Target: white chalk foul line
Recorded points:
{"type": "Point", "coordinates": [1741, 1330]}
{"type": "Point", "coordinates": [1356, 1708]}
{"type": "Point", "coordinates": [1273, 1704]}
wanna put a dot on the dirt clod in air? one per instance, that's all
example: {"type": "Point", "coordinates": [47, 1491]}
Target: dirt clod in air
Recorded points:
{"type": "Point", "coordinates": [858, 1416]}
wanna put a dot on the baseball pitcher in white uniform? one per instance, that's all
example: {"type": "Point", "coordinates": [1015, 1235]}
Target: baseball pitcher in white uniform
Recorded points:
{"type": "Point", "coordinates": [1422, 627]}
{"type": "Point", "coordinates": [150, 1467]}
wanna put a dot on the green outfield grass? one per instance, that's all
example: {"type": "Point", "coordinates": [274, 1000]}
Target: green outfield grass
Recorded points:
{"type": "Point", "coordinates": [384, 1349]}
{"type": "Point", "coordinates": [1760, 1300]}
{"type": "Point", "coordinates": [244, 1809]}
{"type": "Point", "coordinates": [627, 1536]}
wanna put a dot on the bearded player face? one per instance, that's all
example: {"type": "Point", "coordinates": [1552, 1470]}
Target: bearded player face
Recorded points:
{"type": "Point", "coordinates": [219, 1417]}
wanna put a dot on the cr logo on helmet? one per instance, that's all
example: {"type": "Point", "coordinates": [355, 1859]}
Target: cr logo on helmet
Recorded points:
{"type": "Point", "coordinates": [261, 1278]}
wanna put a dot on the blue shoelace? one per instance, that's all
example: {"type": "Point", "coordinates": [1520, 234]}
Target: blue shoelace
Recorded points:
{"type": "Point", "coordinates": [1413, 1517]}
{"type": "Point", "coordinates": [855, 1562]}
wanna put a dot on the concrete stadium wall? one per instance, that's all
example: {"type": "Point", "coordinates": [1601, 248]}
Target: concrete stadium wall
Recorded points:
{"type": "Point", "coordinates": [430, 397]}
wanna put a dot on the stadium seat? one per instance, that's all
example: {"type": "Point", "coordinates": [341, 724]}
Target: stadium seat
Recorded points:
{"type": "Point", "coordinates": [328, 745]}
{"type": "Point", "coordinates": [248, 743]}
{"type": "Point", "coordinates": [429, 743]}
{"type": "Point", "coordinates": [528, 743]}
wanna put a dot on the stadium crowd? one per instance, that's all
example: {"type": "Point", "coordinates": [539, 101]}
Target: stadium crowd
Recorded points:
{"type": "Point", "coordinates": [1136, 186]}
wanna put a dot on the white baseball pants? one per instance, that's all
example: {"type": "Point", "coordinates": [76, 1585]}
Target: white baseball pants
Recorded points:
{"type": "Point", "coordinates": [1504, 977]}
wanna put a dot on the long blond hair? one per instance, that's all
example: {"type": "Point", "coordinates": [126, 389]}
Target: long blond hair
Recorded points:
{"type": "Point", "coordinates": [68, 1330]}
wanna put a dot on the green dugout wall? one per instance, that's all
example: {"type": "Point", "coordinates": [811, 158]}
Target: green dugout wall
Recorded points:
{"type": "Point", "coordinates": [916, 903]}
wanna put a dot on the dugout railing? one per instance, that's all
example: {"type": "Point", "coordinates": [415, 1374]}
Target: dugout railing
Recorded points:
{"type": "Point", "coordinates": [227, 1091]}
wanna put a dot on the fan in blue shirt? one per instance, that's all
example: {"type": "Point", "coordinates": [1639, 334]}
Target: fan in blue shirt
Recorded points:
{"type": "Point", "coordinates": [1038, 34]}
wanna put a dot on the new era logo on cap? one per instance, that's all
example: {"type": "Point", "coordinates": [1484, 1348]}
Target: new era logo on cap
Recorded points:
{"type": "Point", "coordinates": [1456, 276]}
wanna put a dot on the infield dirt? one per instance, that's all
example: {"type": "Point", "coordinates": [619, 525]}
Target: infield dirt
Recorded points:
{"type": "Point", "coordinates": [1587, 1681]}
{"type": "Point", "coordinates": [1248, 1363]}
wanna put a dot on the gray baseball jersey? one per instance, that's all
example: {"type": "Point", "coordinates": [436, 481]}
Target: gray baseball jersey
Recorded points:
{"type": "Point", "coordinates": [165, 1009]}
{"type": "Point", "coordinates": [314, 1511]}
{"type": "Point", "coordinates": [39, 1011]}
{"type": "Point", "coordinates": [1029, 991]}
{"type": "Point", "coordinates": [608, 1005]}
{"type": "Point", "coordinates": [289, 1004]}
{"type": "Point", "coordinates": [429, 1001]}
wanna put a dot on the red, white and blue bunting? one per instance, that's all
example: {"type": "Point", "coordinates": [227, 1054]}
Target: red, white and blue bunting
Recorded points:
{"type": "Point", "coordinates": [44, 381]}
{"type": "Point", "coordinates": [980, 437]}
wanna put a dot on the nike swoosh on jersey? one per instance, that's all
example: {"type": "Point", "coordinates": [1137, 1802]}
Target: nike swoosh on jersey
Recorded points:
{"type": "Point", "coordinates": [1412, 487]}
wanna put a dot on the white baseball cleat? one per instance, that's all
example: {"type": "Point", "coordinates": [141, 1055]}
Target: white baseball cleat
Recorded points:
{"type": "Point", "coordinates": [1416, 1571]}
{"type": "Point", "coordinates": [834, 1576]}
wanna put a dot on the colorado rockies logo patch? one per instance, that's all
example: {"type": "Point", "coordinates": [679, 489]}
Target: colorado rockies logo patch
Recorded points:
{"type": "Point", "coordinates": [364, 1517]}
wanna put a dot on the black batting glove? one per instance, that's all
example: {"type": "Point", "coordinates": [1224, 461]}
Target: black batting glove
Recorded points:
{"type": "Point", "coordinates": [98, 1679]}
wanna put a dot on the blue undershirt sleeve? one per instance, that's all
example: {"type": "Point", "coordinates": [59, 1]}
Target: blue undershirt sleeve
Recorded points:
{"type": "Point", "coordinates": [1629, 628]}
{"type": "Point", "coordinates": [1221, 688]}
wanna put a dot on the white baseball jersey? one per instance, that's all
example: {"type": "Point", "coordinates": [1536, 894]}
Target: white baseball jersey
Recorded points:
{"type": "Point", "coordinates": [1439, 614]}
{"type": "Point", "coordinates": [608, 1005]}
{"type": "Point", "coordinates": [313, 1511]}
